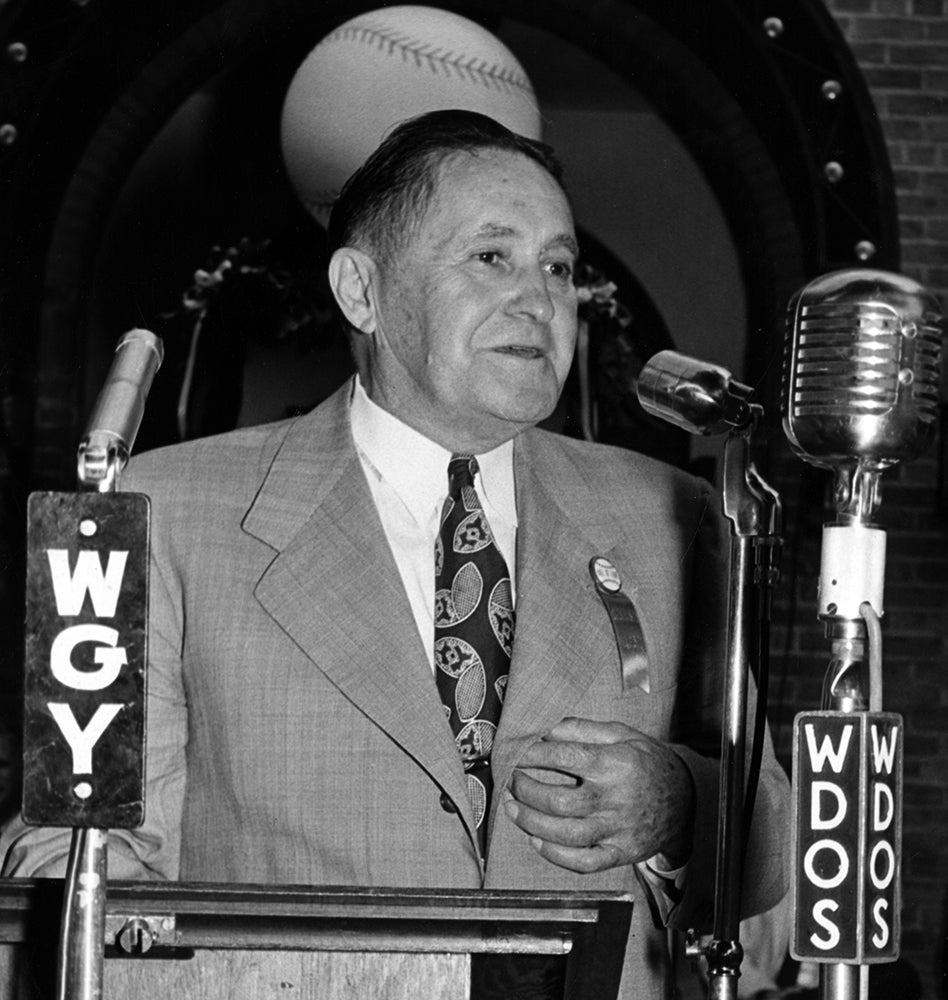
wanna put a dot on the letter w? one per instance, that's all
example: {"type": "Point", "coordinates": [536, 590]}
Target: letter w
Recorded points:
{"type": "Point", "coordinates": [883, 753]}
{"type": "Point", "coordinates": [71, 588]}
{"type": "Point", "coordinates": [826, 751]}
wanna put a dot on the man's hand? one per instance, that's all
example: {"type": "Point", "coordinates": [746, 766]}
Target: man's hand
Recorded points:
{"type": "Point", "coordinates": [630, 797]}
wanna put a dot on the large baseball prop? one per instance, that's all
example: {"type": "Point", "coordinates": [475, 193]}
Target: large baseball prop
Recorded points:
{"type": "Point", "coordinates": [377, 70]}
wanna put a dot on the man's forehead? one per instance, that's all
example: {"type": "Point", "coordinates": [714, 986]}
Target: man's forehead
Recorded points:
{"type": "Point", "coordinates": [504, 196]}
{"type": "Point", "coordinates": [466, 170]}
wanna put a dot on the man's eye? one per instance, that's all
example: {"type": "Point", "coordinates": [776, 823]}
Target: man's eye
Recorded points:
{"type": "Point", "coordinates": [560, 269]}
{"type": "Point", "coordinates": [489, 256]}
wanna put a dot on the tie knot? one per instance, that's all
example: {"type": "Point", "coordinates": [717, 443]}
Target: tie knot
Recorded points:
{"type": "Point", "coordinates": [461, 472]}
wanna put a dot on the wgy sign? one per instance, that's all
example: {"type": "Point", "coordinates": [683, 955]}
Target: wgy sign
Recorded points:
{"type": "Point", "coordinates": [84, 693]}
{"type": "Point", "coordinates": [847, 796]}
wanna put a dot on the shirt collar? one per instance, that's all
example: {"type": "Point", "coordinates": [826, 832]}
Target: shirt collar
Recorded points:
{"type": "Point", "coordinates": [421, 483]}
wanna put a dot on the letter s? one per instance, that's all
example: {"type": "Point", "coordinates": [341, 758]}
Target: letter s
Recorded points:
{"type": "Point", "coordinates": [819, 915]}
{"type": "Point", "coordinates": [881, 938]}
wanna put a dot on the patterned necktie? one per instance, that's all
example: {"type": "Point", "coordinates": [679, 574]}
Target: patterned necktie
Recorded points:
{"type": "Point", "coordinates": [474, 624]}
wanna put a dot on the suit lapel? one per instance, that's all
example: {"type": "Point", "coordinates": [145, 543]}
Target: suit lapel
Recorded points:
{"type": "Point", "coordinates": [557, 647]}
{"type": "Point", "coordinates": [336, 591]}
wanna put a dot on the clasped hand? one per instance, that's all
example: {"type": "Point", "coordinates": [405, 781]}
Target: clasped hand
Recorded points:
{"type": "Point", "coordinates": [628, 797]}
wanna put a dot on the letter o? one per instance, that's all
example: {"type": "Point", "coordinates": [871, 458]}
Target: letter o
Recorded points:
{"type": "Point", "coordinates": [837, 848]}
{"type": "Point", "coordinates": [882, 883]}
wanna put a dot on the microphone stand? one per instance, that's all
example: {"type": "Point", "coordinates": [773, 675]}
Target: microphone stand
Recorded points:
{"type": "Point", "coordinates": [860, 393]}
{"type": "Point", "coordinates": [81, 954]}
{"type": "Point", "coordinates": [101, 457]}
{"type": "Point", "coordinates": [702, 398]}
{"type": "Point", "coordinates": [753, 509]}
{"type": "Point", "coordinates": [854, 645]}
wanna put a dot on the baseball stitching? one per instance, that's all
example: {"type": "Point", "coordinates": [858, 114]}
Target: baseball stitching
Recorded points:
{"type": "Point", "coordinates": [433, 57]}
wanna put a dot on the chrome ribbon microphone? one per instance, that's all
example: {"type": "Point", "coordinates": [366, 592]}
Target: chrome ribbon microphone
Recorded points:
{"type": "Point", "coordinates": [860, 382]}
{"type": "Point", "coordinates": [697, 396]}
{"type": "Point", "coordinates": [860, 393]}
{"type": "Point", "coordinates": [118, 411]}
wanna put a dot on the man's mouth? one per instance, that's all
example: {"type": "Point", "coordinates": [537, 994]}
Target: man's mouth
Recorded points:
{"type": "Point", "coordinates": [520, 351]}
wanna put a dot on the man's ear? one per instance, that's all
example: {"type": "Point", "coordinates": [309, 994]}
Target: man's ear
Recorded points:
{"type": "Point", "coordinates": [352, 276]}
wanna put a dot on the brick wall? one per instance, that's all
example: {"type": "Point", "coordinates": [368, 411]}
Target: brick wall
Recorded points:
{"type": "Point", "coordinates": [902, 48]}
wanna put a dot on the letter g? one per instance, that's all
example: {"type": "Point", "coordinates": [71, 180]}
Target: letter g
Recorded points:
{"type": "Point", "coordinates": [111, 660]}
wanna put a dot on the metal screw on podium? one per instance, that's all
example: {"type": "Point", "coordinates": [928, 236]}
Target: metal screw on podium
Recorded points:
{"type": "Point", "coordinates": [135, 937]}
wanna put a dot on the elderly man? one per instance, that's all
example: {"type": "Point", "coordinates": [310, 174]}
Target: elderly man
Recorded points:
{"type": "Point", "coordinates": [378, 652]}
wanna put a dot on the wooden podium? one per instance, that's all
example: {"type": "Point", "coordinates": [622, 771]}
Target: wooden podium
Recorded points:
{"type": "Point", "coordinates": [198, 941]}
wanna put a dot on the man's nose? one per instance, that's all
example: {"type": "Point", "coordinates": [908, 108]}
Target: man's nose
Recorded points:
{"type": "Point", "coordinates": [532, 296]}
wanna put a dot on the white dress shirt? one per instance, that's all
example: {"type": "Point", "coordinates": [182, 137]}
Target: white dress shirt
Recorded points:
{"type": "Point", "coordinates": [408, 476]}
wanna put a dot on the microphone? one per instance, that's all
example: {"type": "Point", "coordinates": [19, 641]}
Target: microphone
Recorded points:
{"type": "Point", "coordinates": [117, 415]}
{"type": "Point", "coordinates": [861, 370]}
{"type": "Point", "coordinates": [702, 398]}
{"type": "Point", "coordinates": [860, 393]}
{"type": "Point", "coordinates": [697, 396]}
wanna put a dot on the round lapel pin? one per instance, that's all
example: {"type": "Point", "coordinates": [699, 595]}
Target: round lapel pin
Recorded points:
{"type": "Point", "coordinates": [605, 574]}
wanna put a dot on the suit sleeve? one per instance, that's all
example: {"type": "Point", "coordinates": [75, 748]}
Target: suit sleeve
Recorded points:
{"type": "Point", "coordinates": [698, 743]}
{"type": "Point", "coordinates": [152, 850]}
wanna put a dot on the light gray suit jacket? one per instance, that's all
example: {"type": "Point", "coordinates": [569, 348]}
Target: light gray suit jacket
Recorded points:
{"type": "Point", "coordinates": [294, 730]}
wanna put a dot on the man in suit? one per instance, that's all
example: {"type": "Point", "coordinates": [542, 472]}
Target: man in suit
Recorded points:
{"type": "Point", "coordinates": [296, 730]}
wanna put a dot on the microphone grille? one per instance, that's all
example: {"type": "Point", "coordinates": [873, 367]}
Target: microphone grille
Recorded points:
{"type": "Point", "coordinates": [854, 358]}
{"type": "Point", "coordinates": [861, 369]}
